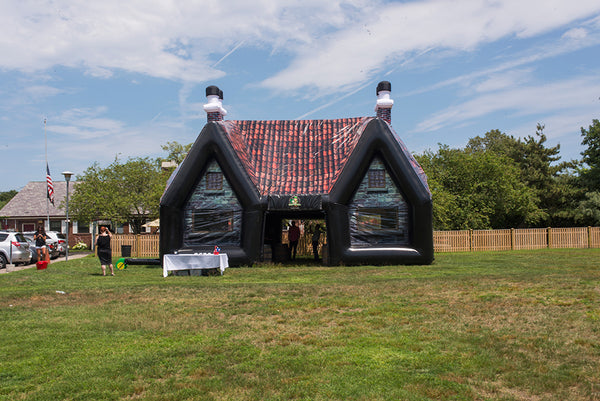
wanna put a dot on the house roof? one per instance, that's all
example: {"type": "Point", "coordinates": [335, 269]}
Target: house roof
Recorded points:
{"type": "Point", "coordinates": [31, 201]}
{"type": "Point", "coordinates": [299, 156]}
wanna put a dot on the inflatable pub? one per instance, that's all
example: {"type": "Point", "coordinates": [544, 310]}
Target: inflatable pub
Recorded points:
{"type": "Point", "coordinates": [243, 180]}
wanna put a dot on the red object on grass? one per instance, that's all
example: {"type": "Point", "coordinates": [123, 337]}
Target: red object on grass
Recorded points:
{"type": "Point", "coordinates": [42, 264]}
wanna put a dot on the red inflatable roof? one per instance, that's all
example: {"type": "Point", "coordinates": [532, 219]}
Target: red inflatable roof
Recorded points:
{"type": "Point", "coordinates": [296, 156]}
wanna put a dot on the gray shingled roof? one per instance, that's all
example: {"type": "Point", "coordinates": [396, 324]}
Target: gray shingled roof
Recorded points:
{"type": "Point", "coordinates": [31, 200]}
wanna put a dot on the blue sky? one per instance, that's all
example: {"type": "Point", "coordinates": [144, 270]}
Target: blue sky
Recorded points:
{"type": "Point", "coordinates": [120, 79]}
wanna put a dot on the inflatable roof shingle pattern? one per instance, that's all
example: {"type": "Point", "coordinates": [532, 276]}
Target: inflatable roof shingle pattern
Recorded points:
{"type": "Point", "coordinates": [300, 157]}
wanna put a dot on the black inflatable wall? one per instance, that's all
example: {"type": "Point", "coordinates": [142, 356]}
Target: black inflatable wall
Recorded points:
{"type": "Point", "coordinates": [210, 144]}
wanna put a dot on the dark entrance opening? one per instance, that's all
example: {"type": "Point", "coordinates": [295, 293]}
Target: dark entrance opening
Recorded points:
{"type": "Point", "coordinates": [276, 246]}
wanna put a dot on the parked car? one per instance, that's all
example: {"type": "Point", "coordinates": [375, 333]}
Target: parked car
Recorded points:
{"type": "Point", "coordinates": [51, 245]}
{"type": "Point", "coordinates": [32, 249]}
{"type": "Point", "coordinates": [13, 248]}
{"type": "Point", "coordinates": [61, 240]}
{"type": "Point", "coordinates": [54, 238]}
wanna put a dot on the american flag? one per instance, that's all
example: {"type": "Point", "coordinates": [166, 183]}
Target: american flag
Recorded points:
{"type": "Point", "coordinates": [50, 185]}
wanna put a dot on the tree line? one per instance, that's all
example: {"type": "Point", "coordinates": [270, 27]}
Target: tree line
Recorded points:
{"type": "Point", "coordinates": [495, 181]}
{"type": "Point", "coordinates": [125, 192]}
{"type": "Point", "coordinates": [6, 196]}
{"type": "Point", "coordinates": [499, 181]}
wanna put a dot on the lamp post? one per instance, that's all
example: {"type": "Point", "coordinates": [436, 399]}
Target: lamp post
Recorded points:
{"type": "Point", "coordinates": [67, 175]}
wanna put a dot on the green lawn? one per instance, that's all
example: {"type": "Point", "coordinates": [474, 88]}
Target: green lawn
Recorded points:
{"type": "Point", "coordinates": [473, 326]}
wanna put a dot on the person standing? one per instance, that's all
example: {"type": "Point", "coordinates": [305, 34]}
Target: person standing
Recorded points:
{"type": "Point", "coordinates": [40, 244]}
{"type": "Point", "coordinates": [293, 237]}
{"type": "Point", "coordinates": [315, 241]}
{"type": "Point", "coordinates": [104, 250]}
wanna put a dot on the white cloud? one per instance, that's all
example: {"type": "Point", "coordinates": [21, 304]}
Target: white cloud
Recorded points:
{"type": "Point", "coordinates": [51, 48]}
{"type": "Point", "coordinates": [42, 91]}
{"type": "Point", "coordinates": [558, 97]}
{"type": "Point", "coordinates": [576, 34]}
{"type": "Point", "coordinates": [179, 41]}
{"type": "Point", "coordinates": [396, 31]}
{"type": "Point", "coordinates": [561, 128]}
{"type": "Point", "coordinates": [514, 65]}
{"type": "Point", "coordinates": [502, 80]}
{"type": "Point", "coordinates": [85, 135]}
{"type": "Point", "coordinates": [85, 123]}
{"type": "Point", "coordinates": [335, 45]}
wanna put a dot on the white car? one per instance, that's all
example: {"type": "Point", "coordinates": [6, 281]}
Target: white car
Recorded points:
{"type": "Point", "coordinates": [14, 249]}
{"type": "Point", "coordinates": [60, 239]}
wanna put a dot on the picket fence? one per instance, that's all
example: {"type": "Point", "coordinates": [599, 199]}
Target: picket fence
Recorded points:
{"type": "Point", "coordinates": [515, 239]}
{"type": "Point", "coordinates": [146, 245]}
{"type": "Point", "coordinates": [142, 245]}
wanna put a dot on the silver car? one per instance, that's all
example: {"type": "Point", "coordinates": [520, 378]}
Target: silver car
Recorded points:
{"type": "Point", "coordinates": [51, 246]}
{"type": "Point", "coordinates": [54, 242]}
{"type": "Point", "coordinates": [14, 249]}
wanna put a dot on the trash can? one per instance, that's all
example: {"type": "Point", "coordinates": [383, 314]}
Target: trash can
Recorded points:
{"type": "Point", "coordinates": [126, 251]}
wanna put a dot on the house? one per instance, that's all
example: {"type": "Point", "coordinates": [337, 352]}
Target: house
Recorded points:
{"type": "Point", "coordinates": [241, 179]}
{"type": "Point", "coordinates": [28, 209]}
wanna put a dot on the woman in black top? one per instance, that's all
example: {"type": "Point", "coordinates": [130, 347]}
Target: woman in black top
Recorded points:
{"type": "Point", "coordinates": [315, 241]}
{"type": "Point", "coordinates": [40, 243]}
{"type": "Point", "coordinates": [104, 251]}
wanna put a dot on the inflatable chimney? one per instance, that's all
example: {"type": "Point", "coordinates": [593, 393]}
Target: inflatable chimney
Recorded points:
{"type": "Point", "coordinates": [214, 108]}
{"type": "Point", "coordinates": [383, 108]}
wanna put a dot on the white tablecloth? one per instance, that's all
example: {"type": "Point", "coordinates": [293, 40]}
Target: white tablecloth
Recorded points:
{"type": "Point", "coordinates": [194, 261]}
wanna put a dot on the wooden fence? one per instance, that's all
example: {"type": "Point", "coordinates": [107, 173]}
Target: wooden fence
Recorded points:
{"type": "Point", "coordinates": [514, 239]}
{"type": "Point", "coordinates": [146, 245]}
{"type": "Point", "coordinates": [142, 246]}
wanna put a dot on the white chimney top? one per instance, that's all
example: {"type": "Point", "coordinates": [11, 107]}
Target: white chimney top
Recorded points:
{"type": "Point", "coordinates": [384, 104]}
{"type": "Point", "coordinates": [214, 108]}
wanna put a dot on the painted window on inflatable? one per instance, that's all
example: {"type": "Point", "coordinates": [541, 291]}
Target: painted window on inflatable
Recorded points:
{"type": "Point", "coordinates": [378, 212]}
{"type": "Point", "coordinates": [212, 221]}
{"type": "Point", "coordinates": [214, 181]}
{"type": "Point", "coordinates": [376, 219]}
{"type": "Point", "coordinates": [376, 179]}
{"type": "Point", "coordinates": [213, 213]}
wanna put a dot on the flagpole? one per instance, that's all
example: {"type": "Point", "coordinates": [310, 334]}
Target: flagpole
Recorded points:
{"type": "Point", "coordinates": [47, 199]}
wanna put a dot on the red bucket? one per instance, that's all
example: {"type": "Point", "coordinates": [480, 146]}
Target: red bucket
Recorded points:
{"type": "Point", "coordinates": [42, 264]}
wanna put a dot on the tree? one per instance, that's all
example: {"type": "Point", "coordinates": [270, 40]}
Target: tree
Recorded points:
{"type": "Point", "coordinates": [562, 200]}
{"type": "Point", "coordinates": [177, 151]}
{"type": "Point", "coordinates": [5, 197]}
{"type": "Point", "coordinates": [124, 192]}
{"type": "Point", "coordinates": [498, 142]}
{"type": "Point", "coordinates": [551, 179]}
{"type": "Point", "coordinates": [590, 174]}
{"type": "Point", "coordinates": [476, 190]}
{"type": "Point", "coordinates": [540, 170]}
{"type": "Point", "coordinates": [588, 211]}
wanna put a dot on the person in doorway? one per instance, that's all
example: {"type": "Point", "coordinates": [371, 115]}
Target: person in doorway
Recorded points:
{"type": "Point", "coordinates": [104, 250]}
{"type": "Point", "coordinates": [40, 243]}
{"type": "Point", "coordinates": [293, 237]}
{"type": "Point", "coordinates": [315, 241]}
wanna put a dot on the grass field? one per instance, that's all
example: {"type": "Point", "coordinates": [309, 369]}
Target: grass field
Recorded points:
{"type": "Point", "coordinates": [521, 325]}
